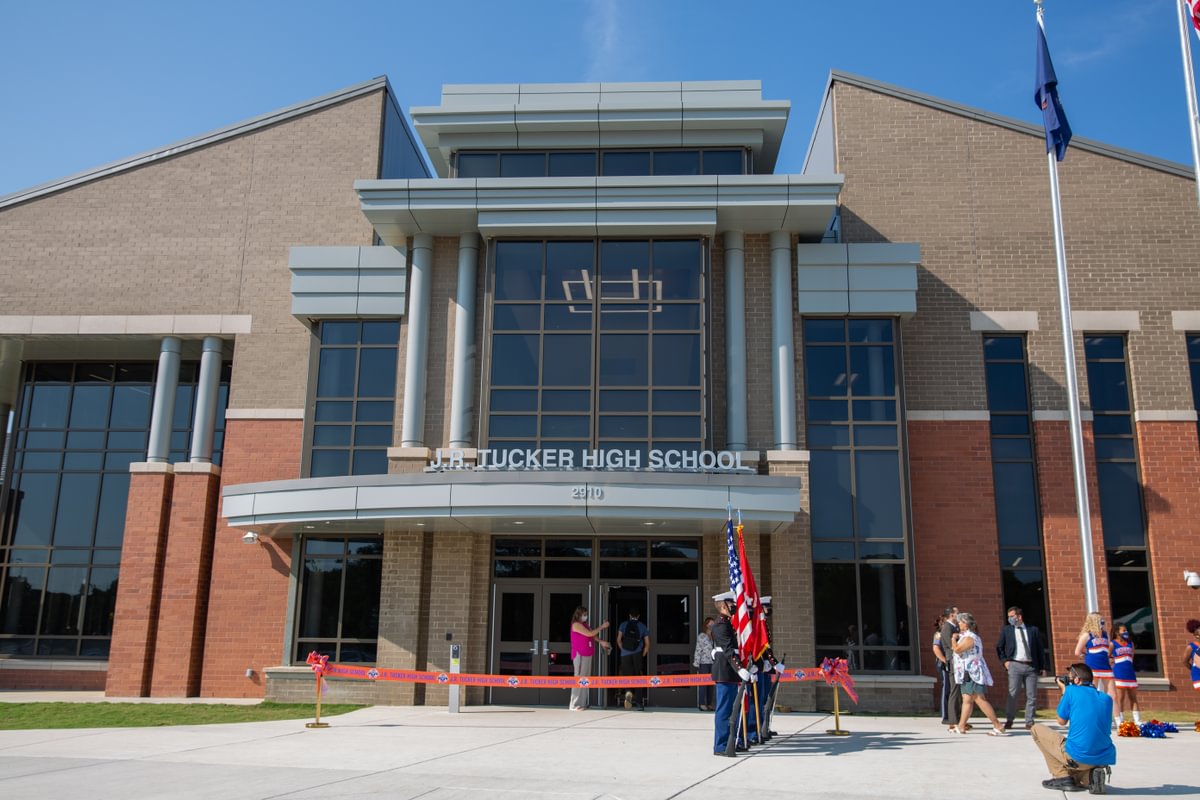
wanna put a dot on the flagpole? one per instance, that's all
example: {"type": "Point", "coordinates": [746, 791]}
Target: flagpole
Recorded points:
{"type": "Point", "coordinates": [1189, 80]}
{"type": "Point", "coordinates": [1082, 507]}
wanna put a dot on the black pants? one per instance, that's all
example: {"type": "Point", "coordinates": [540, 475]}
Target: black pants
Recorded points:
{"type": "Point", "coordinates": [953, 700]}
{"type": "Point", "coordinates": [635, 664]}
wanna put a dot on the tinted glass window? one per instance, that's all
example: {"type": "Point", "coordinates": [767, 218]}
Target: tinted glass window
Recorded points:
{"type": "Point", "coordinates": [571, 165]}
{"type": "Point", "coordinates": [626, 163]}
{"type": "Point", "coordinates": [677, 162]}
{"type": "Point", "coordinates": [723, 162]}
{"type": "Point", "coordinates": [477, 165]}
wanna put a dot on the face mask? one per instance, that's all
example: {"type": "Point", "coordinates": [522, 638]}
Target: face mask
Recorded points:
{"type": "Point", "coordinates": [1125, 636]}
{"type": "Point", "coordinates": [583, 618]}
{"type": "Point", "coordinates": [1012, 620]}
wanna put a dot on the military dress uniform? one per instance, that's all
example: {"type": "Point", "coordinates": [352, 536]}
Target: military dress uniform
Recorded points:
{"type": "Point", "coordinates": [725, 676]}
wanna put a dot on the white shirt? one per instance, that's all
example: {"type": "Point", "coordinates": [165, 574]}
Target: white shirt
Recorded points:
{"type": "Point", "coordinates": [1022, 635]}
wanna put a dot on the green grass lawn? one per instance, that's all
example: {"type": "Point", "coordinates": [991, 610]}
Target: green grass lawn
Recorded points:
{"type": "Point", "coordinates": [24, 716]}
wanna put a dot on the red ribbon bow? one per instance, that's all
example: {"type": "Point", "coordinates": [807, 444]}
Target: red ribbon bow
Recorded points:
{"type": "Point", "coordinates": [318, 662]}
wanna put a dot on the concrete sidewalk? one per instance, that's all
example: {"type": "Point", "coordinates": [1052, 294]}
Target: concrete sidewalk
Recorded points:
{"type": "Point", "coordinates": [551, 754]}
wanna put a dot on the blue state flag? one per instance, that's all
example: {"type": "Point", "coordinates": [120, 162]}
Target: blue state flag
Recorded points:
{"type": "Point", "coordinates": [1058, 130]}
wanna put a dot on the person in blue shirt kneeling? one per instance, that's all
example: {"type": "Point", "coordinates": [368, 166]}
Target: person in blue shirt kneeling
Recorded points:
{"type": "Point", "coordinates": [1082, 758]}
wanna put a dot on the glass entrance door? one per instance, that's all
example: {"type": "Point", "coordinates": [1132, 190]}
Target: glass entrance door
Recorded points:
{"type": "Point", "coordinates": [674, 625]}
{"type": "Point", "coordinates": [533, 637]}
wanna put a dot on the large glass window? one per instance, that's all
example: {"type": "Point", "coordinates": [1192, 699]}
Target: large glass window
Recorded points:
{"type": "Point", "coordinates": [78, 428]}
{"type": "Point", "coordinates": [614, 559]}
{"type": "Point", "coordinates": [338, 614]}
{"type": "Point", "coordinates": [1193, 346]}
{"type": "Point", "coordinates": [597, 344]}
{"type": "Point", "coordinates": [355, 397]}
{"type": "Point", "coordinates": [859, 523]}
{"type": "Point", "coordinates": [1121, 508]}
{"type": "Point", "coordinates": [591, 163]}
{"type": "Point", "coordinates": [1014, 475]}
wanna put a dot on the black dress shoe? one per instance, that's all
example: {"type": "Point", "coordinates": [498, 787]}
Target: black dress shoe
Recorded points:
{"type": "Point", "coordinates": [1028, 724]}
{"type": "Point", "coordinates": [1008, 724]}
{"type": "Point", "coordinates": [724, 754]}
{"type": "Point", "coordinates": [741, 748]}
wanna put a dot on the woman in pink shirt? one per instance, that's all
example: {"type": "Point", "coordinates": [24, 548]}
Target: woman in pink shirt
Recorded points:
{"type": "Point", "coordinates": [583, 641]}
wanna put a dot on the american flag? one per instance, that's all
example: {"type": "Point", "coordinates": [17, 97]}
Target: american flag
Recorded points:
{"type": "Point", "coordinates": [1194, 13]}
{"type": "Point", "coordinates": [744, 622]}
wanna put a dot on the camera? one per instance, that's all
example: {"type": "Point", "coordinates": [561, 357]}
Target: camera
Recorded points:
{"type": "Point", "coordinates": [1064, 679]}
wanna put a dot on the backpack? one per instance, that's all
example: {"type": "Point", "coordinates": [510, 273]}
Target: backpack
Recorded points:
{"type": "Point", "coordinates": [632, 635]}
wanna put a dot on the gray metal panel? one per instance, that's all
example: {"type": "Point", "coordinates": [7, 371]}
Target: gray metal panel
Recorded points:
{"type": "Point", "coordinates": [348, 281]}
{"type": "Point", "coordinates": [823, 279]}
{"type": "Point", "coordinates": [883, 303]}
{"type": "Point", "coordinates": [824, 303]}
{"type": "Point", "coordinates": [898, 278]}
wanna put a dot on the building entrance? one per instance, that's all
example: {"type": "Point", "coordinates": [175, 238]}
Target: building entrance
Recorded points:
{"type": "Point", "coordinates": [533, 601]}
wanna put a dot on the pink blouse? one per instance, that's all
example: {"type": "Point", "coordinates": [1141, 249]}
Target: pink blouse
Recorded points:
{"type": "Point", "coordinates": [581, 645]}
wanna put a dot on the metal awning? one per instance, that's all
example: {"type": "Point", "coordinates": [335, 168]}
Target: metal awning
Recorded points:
{"type": "Point", "coordinates": [485, 501]}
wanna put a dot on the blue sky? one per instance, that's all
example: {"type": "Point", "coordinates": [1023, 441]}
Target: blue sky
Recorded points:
{"type": "Point", "coordinates": [83, 84]}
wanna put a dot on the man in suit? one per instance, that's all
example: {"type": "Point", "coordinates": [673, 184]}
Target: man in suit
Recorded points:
{"type": "Point", "coordinates": [1022, 652]}
{"type": "Point", "coordinates": [953, 699]}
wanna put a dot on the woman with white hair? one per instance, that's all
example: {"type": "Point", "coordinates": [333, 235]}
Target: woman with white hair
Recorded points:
{"type": "Point", "coordinates": [971, 671]}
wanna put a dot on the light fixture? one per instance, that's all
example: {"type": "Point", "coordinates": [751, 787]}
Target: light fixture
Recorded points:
{"type": "Point", "coordinates": [649, 524]}
{"type": "Point", "coordinates": [1193, 580]}
{"type": "Point", "coordinates": [518, 522]}
{"type": "Point", "coordinates": [250, 537]}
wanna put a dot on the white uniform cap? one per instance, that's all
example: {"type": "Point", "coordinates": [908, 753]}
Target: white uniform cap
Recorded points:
{"type": "Point", "coordinates": [765, 599]}
{"type": "Point", "coordinates": [724, 596]}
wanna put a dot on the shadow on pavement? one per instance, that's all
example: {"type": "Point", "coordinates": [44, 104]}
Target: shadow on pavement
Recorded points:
{"type": "Point", "coordinates": [1165, 789]}
{"type": "Point", "coordinates": [818, 743]}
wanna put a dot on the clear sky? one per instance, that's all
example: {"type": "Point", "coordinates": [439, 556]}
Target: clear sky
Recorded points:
{"type": "Point", "coordinates": [85, 83]}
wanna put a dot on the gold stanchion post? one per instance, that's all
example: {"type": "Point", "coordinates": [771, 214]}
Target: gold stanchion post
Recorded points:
{"type": "Point", "coordinates": [757, 718]}
{"type": "Point", "coordinates": [837, 716]}
{"type": "Point", "coordinates": [317, 723]}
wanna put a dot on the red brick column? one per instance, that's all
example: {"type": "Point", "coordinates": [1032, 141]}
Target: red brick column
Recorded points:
{"type": "Point", "coordinates": [247, 604]}
{"type": "Point", "coordinates": [1170, 461]}
{"type": "Point", "coordinates": [956, 551]}
{"type": "Point", "coordinates": [1065, 598]}
{"type": "Point", "coordinates": [135, 619]}
{"type": "Point", "coordinates": [186, 573]}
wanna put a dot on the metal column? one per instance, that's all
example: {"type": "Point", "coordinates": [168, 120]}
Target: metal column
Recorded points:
{"type": "Point", "coordinates": [412, 432]}
{"type": "Point", "coordinates": [735, 340]}
{"type": "Point", "coordinates": [205, 418]}
{"type": "Point", "coordinates": [164, 400]}
{"type": "Point", "coordinates": [783, 357]}
{"type": "Point", "coordinates": [464, 342]}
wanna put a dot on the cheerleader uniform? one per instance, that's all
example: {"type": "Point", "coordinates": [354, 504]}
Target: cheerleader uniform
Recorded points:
{"type": "Point", "coordinates": [1124, 676]}
{"type": "Point", "coordinates": [1195, 669]}
{"type": "Point", "coordinates": [1097, 656]}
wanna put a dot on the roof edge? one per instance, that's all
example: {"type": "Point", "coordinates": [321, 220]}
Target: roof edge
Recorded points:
{"type": "Point", "coordinates": [1090, 145]}
{"type": "Point", "coordinates": [195, 142]}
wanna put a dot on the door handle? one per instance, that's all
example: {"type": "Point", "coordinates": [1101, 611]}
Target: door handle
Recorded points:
{"type": "Point", "coordinates": [545, 646]}
{"type": "Point", "coordinates": [534, 649]}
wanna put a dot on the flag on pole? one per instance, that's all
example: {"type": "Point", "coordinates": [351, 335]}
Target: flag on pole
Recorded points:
{"type": "Point", "coordinates": [1058, 131]}
{"type": "Point", "coordinates": [756, 643]}
{"type": "Point", "coordinates": [1193, 7]}
{"type": "Point", "coordinates": [750, 636]}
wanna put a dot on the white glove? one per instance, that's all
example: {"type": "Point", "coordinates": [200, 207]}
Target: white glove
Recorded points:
{"type": "Point", "coordinates": [743, 674]}
{"type": "Point", "coordinates": [753, 669]}
{"type": "Point", "coordinates": [767, 667]}
{"type": "Point", "coordinates": [780, 668]}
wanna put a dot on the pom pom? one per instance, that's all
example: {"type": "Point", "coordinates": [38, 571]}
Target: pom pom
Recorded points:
{"type": "Point", "coordinates": [1198, 726]}
{"type": "Point", "coordinates": [1128, 729]}
{"type": "Point", "coordinates": [1158, 730]}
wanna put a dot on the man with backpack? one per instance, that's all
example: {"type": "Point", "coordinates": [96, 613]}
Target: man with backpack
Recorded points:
{"type": "Point", "coordinates": [633, 637]}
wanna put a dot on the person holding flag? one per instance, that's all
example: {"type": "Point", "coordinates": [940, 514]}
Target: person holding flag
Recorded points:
{"type": "Point", "coordinates": [727, 672]}
{"type": "Point", "coordinates": [748, 620]}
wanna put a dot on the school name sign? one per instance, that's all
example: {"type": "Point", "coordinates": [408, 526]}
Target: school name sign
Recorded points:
{"type": "Point", "coordinates": [549, 458]}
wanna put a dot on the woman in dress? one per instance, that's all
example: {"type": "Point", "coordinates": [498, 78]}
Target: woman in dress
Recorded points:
{"type": "Point", "coordinates": [971, 671]}
{"type": "Point", "coordinates": [1124, 676]}
{"type": "Point", "coordinates": [702, 660]}
{"type": "Point", "coordinates": [583, 647]}
{"type": "Point", "coordinates": [1093, 647]}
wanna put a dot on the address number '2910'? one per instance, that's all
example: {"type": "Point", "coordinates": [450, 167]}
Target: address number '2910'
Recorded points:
{"type": "Point", "coordinates": [587, 492]}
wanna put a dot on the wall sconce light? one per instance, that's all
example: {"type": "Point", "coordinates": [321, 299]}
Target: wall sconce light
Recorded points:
{"type": "Point", "coordinates": [250, 537]}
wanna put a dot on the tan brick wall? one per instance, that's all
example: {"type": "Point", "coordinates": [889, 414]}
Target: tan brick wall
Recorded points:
{"type": "Point", "coordinates": [976, 196]}
{"type": "Point", "coordinates": [205, 232]}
